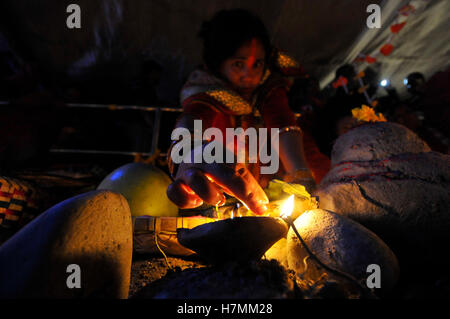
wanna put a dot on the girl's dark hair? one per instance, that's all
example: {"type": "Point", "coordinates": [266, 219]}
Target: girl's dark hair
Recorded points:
{"type": "Point", "coordinates": [226, 32]}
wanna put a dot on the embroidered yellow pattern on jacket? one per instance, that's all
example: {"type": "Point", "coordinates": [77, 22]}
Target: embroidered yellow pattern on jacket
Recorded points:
{"type": "Point", "coordinates": [232, 101]}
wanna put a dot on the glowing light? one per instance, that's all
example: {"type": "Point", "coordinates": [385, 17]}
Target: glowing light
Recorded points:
{"type": "Point", "coordinates": [287, 207]}
{"type": "Point", "coordinates": [187, 189]}
{"type": "Point", "coordinates": [405, 81]}
{"type": "Point", "coordinates": [384, 82]}
{"type": "Point", "coordinates": [116, 175]}
{"type": "Point", "coordinates": [209, 177]}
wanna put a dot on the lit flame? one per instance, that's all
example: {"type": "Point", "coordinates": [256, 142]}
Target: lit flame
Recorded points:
{"type": "Point", "coordinates": [287, 207]}
{"type": "Point", "coordinates": [209, 177]}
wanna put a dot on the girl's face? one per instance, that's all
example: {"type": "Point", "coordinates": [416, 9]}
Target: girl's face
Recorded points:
{"type": "Point", "coordinates": [245, 68]}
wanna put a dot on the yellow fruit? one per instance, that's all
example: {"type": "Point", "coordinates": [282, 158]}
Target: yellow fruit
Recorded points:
{"type": "Point", "coordinates": [144, 186]}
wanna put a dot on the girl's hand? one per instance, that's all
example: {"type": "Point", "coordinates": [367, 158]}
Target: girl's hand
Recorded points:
{"type": "Point", "coordinates": [196, 183]}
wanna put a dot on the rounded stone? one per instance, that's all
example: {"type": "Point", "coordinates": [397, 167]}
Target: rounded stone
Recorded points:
{"type": "Point", "coordinates": [376, 141]}
{"type": "Point", "coordinates": [278, 251]}
{"type": "Point", "coordinates": [144, 186]}
{"type": "Point", "coordinates": [404, 199]}
{"type": "Point", "coordinates": [91, 230]}
{"type": "Point", "coordinates": [339, 243]}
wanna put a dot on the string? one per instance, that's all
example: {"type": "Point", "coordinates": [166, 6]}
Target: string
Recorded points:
{"type": "Point", "coordinates": [347, 276]}
{"type": "Point", "coordinates": [159, 248]}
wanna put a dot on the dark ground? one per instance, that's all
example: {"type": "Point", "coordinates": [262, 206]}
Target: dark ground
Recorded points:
{"type": "Point", "coordinates": [193, 279]}
{"type": "Point", "coordinates": [148, 268]}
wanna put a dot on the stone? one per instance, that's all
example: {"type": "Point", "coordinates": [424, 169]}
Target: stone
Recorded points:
{"type": "Point", "coordinates": [387, 179]}
{"type": "Point", "coordinates": [144, 186]}
{"type": "Point", "coordinates": [235, 239]}
{"type": "Point", "coordinates": [91, 230]}
{"type": "Point", "coordinates": [339, 243]}
{"type": "Point", "coordinates": [278, 251]}
{"type": "Point", "coordinates": [376, 141]}
{"type": "Point", "coordinates": [404, 199]}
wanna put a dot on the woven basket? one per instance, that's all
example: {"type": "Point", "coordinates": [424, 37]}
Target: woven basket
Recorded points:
{"type": "Point", "coordinates": [18, 205]}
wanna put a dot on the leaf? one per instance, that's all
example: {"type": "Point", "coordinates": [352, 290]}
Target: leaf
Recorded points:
{"type": "Point", "coordinates": [278, 189]}
{"type": "Point", "coordinates": [274, 191]}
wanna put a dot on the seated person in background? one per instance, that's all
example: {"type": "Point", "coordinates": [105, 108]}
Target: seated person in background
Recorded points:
{"type": "Point", "coordinates": [437, 101]}
{"type": "Point", "coordinates": [415, 84]}
{"type": "Point", "coordinates": [243, 83]}
{"type": "Point", "coordinates": [336, 115]}
{"type": "Point", "coordinates": [429, 101]}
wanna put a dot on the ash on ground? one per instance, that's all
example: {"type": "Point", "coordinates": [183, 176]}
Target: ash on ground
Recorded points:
{"type": "Point", "coordinates": [192, 279]}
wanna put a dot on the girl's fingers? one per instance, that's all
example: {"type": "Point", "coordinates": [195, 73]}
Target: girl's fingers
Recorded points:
{"type": "Point", "coordinates": [208, 180]}
{"type": "Point", "coordinates": [202, 185]}
{"type": "Point", "coordinates": [237, 180]}
{"type": "Point", "coordinates": [183, 196]}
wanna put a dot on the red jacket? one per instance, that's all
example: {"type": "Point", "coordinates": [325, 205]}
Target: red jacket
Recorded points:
{"type": "Point", "coordinates": [207, 98]}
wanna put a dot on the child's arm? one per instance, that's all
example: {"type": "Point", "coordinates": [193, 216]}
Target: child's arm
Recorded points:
{"type": "Point", "coordinates": [277, 114]}
{"type": "Point", "coordinates": [195, 183]}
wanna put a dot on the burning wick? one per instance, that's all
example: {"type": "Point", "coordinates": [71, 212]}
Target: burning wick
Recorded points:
{"type": "Point", "coordinates": [286, 211]}
{"type": "Point", "coordinates": [287, 208]}
{"type": "Point", "coordinates": [236, 207]}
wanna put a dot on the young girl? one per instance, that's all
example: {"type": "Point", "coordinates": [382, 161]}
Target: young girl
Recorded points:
{"type": "Point", "coordinates": [243, 83]}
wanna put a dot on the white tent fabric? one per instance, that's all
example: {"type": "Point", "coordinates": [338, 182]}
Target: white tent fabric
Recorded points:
{"type": "Point", "coordinates": [423, 45]}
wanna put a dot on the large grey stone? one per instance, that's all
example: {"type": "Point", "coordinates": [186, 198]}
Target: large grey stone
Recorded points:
{"type": "Point", "coordinates": [376, 141]}
{"type": "Point", "coordinates": [386, 178]}
{"type": "Point", "coordinates": [92, 230]}
{"type": "Point", "coordinates": [339, 243]}
{"type": "Point", "coordinates": [405, 199]}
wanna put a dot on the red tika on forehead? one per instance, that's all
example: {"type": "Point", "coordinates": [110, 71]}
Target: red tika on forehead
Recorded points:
{"type": "Point", "coordinates": [251, 59]}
